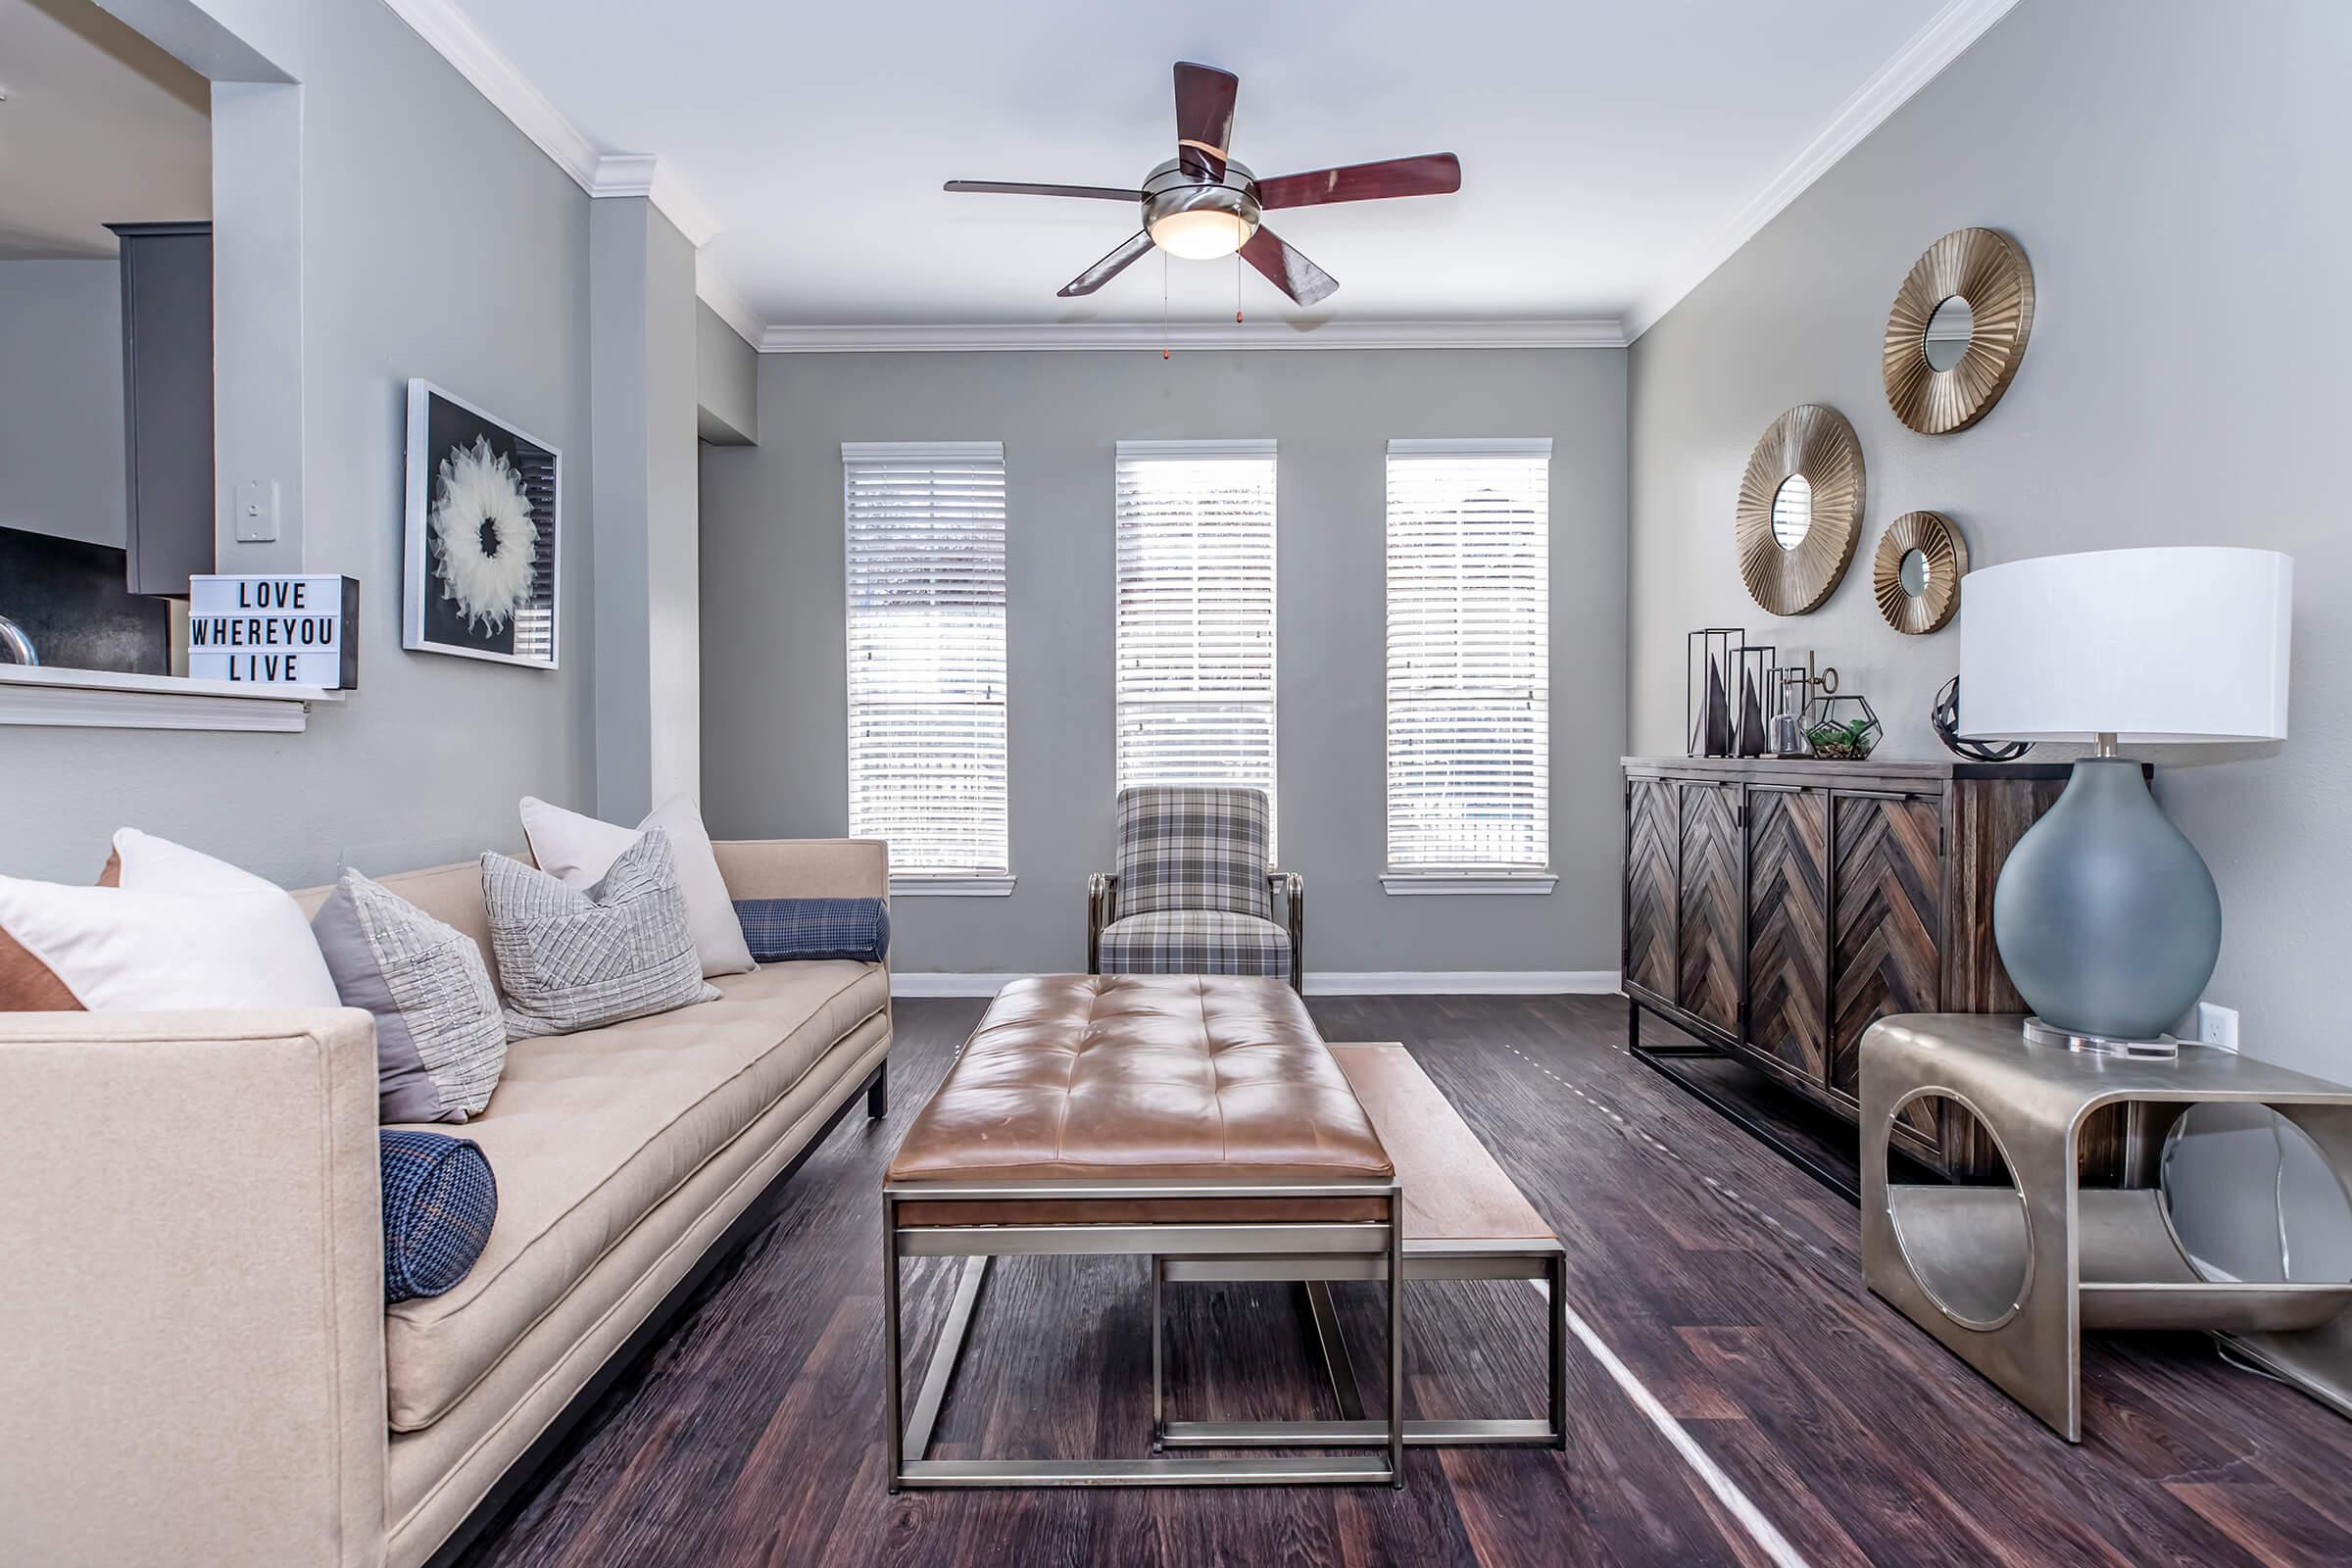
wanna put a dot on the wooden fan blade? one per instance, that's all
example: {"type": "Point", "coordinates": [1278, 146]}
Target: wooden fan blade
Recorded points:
{"type": "Point", "coordinates": [1204, 116]}
{"type": "Point", "coordinates": [1432, 174]}
{"type": "Point", "coordinates": [1108, 268]}
{"type": "Point", "coordinates": [1007, 187]}
{"type": "Point", "coordinates": [1288, 271]}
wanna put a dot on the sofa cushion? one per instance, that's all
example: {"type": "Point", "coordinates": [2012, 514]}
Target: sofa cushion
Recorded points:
{"type": "Point", "coordinates": [1192, 847]}
{"type": "Point", "coordinates": [452, 894]}
{"type": "Point", "coordinates": [1195, 941]}
{"type": "Point", "coordinates": [440, 1036]}
{"type": "Point", "coordinates": [783, 929]}
{"type": "Point", "coordinates": [573, 958]}
{"type": "Point", "coordinates": [440, 1204]}
{"type": "Point", "coordinates": [577, 850]}
{"type": "Point", "coordinates": [588, 1132]}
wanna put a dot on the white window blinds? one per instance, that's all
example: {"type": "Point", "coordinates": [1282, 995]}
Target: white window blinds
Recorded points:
{"type": "Point", "coordinates": [1468, 680]}
{"type": "Point", "coordinates": [925, 537]}
{"type": "Point", "coordinates": [1195, 613]}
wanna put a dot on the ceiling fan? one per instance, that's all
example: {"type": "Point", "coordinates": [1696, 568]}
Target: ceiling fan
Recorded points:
{"type": "Point", "coordinates": [1201, 204]}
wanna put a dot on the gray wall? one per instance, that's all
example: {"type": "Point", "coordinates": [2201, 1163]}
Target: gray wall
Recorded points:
{"type": "Point", "coordinates": [436, 241]}
{"type": "Point", "coordinates": [648, 689]}
{"type": "Point", "coordinates": [774, 660]}
{"type": "Point", "coordinates": [61, 401]}
{"type": "Point", "coordinates": [726, 378]}
{"type": "Point", "coordinates": [2176, 172]}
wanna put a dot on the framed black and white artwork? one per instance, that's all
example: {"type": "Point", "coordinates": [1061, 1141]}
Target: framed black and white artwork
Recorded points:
{"type": "Point", "coordinates": [484, 537]}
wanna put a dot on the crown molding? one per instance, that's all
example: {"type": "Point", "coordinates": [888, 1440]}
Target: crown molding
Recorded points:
{"type": "Point", "coordinates": [1946, 37]}
{"type": "Point", "coordinates": [1600, 332]}
{"type": "Point", "coordinates": [455, 38]}
{"type": "Point", "coordinates": [732, 308]}
{"type": "Point", "coordinates": [452, 35]}
{"type": "Point", "coordinates": [644, 174]}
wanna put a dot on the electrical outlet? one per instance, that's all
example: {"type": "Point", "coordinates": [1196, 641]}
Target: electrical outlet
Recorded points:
{"type": "Point", "coordinates": [2216, 1026]}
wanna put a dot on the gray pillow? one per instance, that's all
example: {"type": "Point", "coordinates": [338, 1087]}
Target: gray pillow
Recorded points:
{"type": "Point", "coordinates": [572, 959]}
{"type": "Point", "coordinates": [440, 1041]}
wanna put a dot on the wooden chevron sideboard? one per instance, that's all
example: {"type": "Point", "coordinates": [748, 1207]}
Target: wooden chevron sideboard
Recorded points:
{"type": "Point", "coordinates": [1776, 909]}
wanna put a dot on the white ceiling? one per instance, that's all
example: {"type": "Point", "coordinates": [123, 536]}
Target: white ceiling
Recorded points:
{"type": "Point", "coordinates": [98, 127]}
{"type": "Point", "coordinates": [1605, 146]}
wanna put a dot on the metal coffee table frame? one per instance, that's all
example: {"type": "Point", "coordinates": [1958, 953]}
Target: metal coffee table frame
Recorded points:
{"type": "Point", "coordinates": [1362, 1244]}
{"type": "Point", "coordinates": [1424, 1259]}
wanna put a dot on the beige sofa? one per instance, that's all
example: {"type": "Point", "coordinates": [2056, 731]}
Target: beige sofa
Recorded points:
{"type": "Point", "coordinates": [196, 1362]}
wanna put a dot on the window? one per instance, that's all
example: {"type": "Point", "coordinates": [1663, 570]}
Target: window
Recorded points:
{"type": "Point", "coordinates": [1195, 613]}
{"type": "Point", "coordinates": [925, 545]}
{"type": "Point", "coordinates": [1469, 683]}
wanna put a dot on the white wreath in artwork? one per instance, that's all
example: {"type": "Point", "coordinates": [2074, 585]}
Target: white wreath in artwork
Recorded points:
{"type": "Point", "coordinates": [485, 544]}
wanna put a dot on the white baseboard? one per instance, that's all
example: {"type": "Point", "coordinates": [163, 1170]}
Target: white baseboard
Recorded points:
{"type": "Point", "coordinates": [1462, 983]}
{"type": "Point", "coordinates": [903, 984]}
{"type": "Point", "coordinates": [1332, 983]}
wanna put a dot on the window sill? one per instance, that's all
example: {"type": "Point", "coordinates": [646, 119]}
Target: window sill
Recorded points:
{"type": "Point", "coordinates": [100, 699]}
{"type": "Point", "coordinates": [1442, 884]}
{"type": "Point", "coordinates": [951, 887]}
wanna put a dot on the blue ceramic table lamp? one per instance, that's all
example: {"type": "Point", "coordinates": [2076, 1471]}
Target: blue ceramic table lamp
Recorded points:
{"type": "Point", "coordinates": [2106, 917]}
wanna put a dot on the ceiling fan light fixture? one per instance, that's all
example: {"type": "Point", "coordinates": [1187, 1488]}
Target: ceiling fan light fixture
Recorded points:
{"type": "Point", "coordinates": [1201, 233]}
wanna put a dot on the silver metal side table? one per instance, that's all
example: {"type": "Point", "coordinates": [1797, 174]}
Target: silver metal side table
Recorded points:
{"type": "Point", "coordinates": [2008, 1277]}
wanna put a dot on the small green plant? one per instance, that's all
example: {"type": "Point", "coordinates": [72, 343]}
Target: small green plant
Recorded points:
{"type": "Point", "coordinates": [1848, 742]}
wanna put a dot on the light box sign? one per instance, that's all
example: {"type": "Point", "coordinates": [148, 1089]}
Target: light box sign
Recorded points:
{"type": "Point", "coordinates": [274, 630]}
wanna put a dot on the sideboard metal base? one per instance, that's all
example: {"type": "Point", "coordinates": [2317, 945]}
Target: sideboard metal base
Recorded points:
{"type": "Point", "coordinates": [1656, 1057]}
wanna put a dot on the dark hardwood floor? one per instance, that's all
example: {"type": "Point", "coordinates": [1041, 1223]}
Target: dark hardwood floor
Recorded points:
{"type": "Point", "coordinates": [1725, 1280]}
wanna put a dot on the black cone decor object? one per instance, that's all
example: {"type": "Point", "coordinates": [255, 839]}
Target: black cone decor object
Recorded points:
{"type": "Point", "coordinates": [1749, 740]}
{"type": "Point", "coordinates": [1718, 738]}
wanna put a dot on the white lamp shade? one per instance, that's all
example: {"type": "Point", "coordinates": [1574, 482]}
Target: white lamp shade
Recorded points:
{"type": "Point", "coordinates": [2158, 645]}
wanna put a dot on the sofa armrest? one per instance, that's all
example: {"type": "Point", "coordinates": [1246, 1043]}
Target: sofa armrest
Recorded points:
{"type": "Point", "coordinates": [192, 1314]}
{"type": "Point", "coordinates": [1289, 891]}
{"type": "Point", "coordinates": [1101, 897]}
{"type": "Point", "coordinates": [805, 868]}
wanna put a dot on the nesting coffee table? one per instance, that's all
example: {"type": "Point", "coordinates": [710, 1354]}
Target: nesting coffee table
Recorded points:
{"type": "Point", "coordinates": [1203, 1124]}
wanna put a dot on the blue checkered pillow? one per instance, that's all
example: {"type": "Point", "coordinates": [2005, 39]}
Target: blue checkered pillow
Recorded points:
{"type": "Point", "coordinates": [781, 930]}
{"type": "Point", "coordinates": [439, 1202]}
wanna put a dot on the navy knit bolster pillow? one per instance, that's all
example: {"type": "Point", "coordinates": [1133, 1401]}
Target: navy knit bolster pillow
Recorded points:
{"type": "Point", "coordinates": [780, 930]}
{"type": "Point", "coordinates": [439, 1202]}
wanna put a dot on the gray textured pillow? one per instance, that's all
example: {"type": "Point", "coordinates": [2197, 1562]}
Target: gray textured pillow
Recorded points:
{"type": "Point", "coordinates": [572, 959]}
{"type": "Point", "coordinates": [440, 1041]}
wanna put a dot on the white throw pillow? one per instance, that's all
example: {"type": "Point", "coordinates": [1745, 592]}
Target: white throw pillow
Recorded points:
{"type": "Point", "coordinates": [183, 931]}
{"type": "Point", "coordinates": [577, 850]}
{"type": "Point", "coordinates": [148, 865]}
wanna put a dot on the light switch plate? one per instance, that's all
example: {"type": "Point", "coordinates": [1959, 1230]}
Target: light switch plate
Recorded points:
{"type": "Point", "coordinates": [256, 511]}
{"type": "Point", "coordinates": [2216, 1026]}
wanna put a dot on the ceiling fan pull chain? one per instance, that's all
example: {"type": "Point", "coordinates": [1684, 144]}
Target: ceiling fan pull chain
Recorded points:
{"type": "Point", "coordinates": [1164, 305]}
{"type": "Point", "coordinates": [1237, 288]}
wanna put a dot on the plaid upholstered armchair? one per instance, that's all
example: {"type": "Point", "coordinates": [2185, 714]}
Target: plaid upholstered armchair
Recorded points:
{"type": "Point", "coordinates": [1192, 894]}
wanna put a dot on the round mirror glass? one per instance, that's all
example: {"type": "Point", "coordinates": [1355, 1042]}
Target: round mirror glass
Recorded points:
{"type": "Point", "coordinates": [1792, 512]}
{"type": "Point", "coordinates": [1914, 572]}
{"type": "Point", "coordinates": [1949, 332]}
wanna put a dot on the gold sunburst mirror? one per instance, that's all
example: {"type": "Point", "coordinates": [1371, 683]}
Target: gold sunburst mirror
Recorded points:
{"type": "Point", "coordinates": [1916, 574]}
{"type": "Point", "coordinates": [1800, 504]}
{"type": "Point", "coordinates": [1957, 330]}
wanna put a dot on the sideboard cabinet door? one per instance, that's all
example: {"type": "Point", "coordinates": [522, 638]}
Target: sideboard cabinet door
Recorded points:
{"type": "Point", "coordinates": [1653, 839]}
{"type": "Point", "coordinates": [1886, 889]}
{"type": "Point", "coordinates": [1788, 928]}
{"type": "Point", "coordinates": [1708, 904]}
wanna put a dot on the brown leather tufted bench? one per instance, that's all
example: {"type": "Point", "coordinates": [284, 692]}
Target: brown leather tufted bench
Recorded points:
{"type": "Point", "coordinates": [1163, 1115]}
